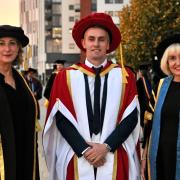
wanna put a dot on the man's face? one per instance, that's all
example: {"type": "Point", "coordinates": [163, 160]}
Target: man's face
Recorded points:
{"type": "Point", "coordinates": [31, 74]}
{"type": "Point", "coordinates": [96, 43]}
{"type": "Point", "coordinates": [59, 67]}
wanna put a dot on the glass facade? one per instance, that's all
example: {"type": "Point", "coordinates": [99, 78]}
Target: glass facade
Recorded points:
{"type": "Point", "coordinates": [53, 26]}
{"type": "Point", "coordinates": [56, 20]}
{"type": "Point", "coordinates": [56, 8]}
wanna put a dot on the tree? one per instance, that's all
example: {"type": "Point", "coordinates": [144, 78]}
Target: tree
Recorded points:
{"type": "Point", "coordinates": [143, 24]}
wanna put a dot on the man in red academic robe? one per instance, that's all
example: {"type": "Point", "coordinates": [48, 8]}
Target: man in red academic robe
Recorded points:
{"type": "Point", "coordinates": [92, 126]}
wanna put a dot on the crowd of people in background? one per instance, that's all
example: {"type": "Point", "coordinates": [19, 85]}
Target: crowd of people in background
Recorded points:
{"type": "Point", "coordinates": [104, 120]}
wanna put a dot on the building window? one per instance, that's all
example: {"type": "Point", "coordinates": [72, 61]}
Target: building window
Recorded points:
{"type": "Point", "coordinates": [113, 1]}
{"type": "Point", "coordinates": [35, 50]}
{"type": "Point", "coordinates": [71, 19]}
{"type": "Point", "coordinates": [71, 7]}
{"type": "Point", "coordinates": [77, 7]}
{"type": "Point", "coordinates": [94, 5]}
{"type": "Point", "coordinates": [56, 1]}
{"type": "Point", "coordinates": [119, 1]}
{"type": "Point", "coordinates": [71, 46]}
{"type": "Point", "coordinates": [76, 18]}
{"type": "Point", "coordinates": [108, 1]}
{"type": "Point", "coordinates": [48, 33]}
{"type": "Point", "coordinates": [56, 9]}
{"type": "Point", "coordinates": [56, 32]}
{"type": "Point", "coordinates": [56, 20]}
{"type": "Point", "coordinates": [48, 23]}
{"type": "Point", "coordinates": [53, 45]}
{"type": "Point", "coordinates": [113, 13]}
{"type": "Point", "coordinates": [70, 30]}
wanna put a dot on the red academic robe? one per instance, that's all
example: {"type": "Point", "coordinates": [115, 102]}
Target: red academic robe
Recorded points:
{"type": "Point", "coordinates": [128, 101]}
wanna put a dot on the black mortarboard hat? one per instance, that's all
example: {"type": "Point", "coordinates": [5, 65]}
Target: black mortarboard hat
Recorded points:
{"type": "Point", "coordinates": [59, 62]}
{"type": "Point", "coordinates": [15, 32]}
{"type": "Point", "coordinates": [32, 70]}
{"type": "Point", "coordinates": [166, 42]}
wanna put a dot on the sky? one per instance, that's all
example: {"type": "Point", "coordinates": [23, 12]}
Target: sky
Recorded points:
{"type": "Point", "coordinates": [9, 12]}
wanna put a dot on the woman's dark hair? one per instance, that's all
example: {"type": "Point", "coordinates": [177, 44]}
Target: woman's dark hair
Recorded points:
{"type": "Point", "coordinates": [19, 58]}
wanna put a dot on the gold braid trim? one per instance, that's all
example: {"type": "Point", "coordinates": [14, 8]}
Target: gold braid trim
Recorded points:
{"type": "Point", "coordinates": [150, 105]}
{"type": "Point", "coordinates": [154, 96]}
{"type": "Point", "coordinates": [122, 95]}
{"type": "Point", "coordinates": [148, 162]}
{"type": "Point", "coordinates": [68, 81]}
{"type": "Point", "coordinates": [76, 175]}
{"type": "Point", "coordinates": [124, 72]}
{"type": "Point", "coordinates": [34, 168]}
{"type": "Point", "coordinates": [115, 166]}
{"type": "Point", "coordinates": [83, 70]}
{"type": "Point", "coordinates": [2, 173]}
{"type": "Point", "coordinates": [159, 87]}
{"type": "Point", "coordinates": [108, 69]}
{"type": "Point", "coordinates": [145, 86]}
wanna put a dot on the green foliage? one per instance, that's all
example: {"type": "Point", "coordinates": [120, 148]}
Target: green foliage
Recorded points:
{"type": "Point", "coordinates": [143, 24]}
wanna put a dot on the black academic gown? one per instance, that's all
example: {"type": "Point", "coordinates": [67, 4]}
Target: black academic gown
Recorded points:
{"type": "Point", "coordinates": [17, 129]}
{"type": "Point", "coordinates": [49, 85]}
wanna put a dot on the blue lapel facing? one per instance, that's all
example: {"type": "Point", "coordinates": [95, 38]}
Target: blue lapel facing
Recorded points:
{"type": "Point", "coordinates": [156, 126]}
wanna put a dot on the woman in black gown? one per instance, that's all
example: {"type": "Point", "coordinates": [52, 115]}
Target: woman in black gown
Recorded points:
{"type": "Point", "coordinates": [17, 111]}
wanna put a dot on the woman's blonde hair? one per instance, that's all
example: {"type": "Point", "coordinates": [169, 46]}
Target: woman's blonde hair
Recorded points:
{"type": "Point", "coordinates": [164, 60]}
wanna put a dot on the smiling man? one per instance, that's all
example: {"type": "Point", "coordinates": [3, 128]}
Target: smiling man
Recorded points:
{"type": "Point", "coordinates": [92, 120]}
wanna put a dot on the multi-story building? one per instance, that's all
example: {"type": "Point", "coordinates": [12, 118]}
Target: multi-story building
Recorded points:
{"type": "Point", "coordinates": [60, 16]}
{"type": "Point", "coordinates": [49, 23]}
{"type": "Point", "coordinates": [112, 7]}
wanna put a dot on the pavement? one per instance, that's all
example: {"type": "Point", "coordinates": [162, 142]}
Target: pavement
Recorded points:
{"type": "Point", "coordinates": [42, 164]}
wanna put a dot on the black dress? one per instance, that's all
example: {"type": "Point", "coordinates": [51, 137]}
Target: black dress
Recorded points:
{"type": "Point", "coordinates": [166, 157]}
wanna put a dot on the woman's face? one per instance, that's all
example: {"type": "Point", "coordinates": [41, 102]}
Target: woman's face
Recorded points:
{"type": "Point", "coordinates": [174, 64]}
{"type": "Point", "coordinates": [9, 49]}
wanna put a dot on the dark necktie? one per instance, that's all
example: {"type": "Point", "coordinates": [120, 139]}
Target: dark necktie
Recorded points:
{"type": "Point", "coordinates": [97, 88]}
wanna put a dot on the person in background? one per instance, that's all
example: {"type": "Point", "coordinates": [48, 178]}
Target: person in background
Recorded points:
{"type": "Point", "coordinates": [144, 89]}
{"type": "Point", "coordinates": [35, 86]}
{"type": "Point", "coordinates": [156, 73]}
{"type": "Point", "coordinates": [164, 144]}
{"type": "Point", "coordinates": [58, 66]}
{"type": "Point", "coordinates": [92, 126]}
{"type": "Point", "coordinates": [17, 111]}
